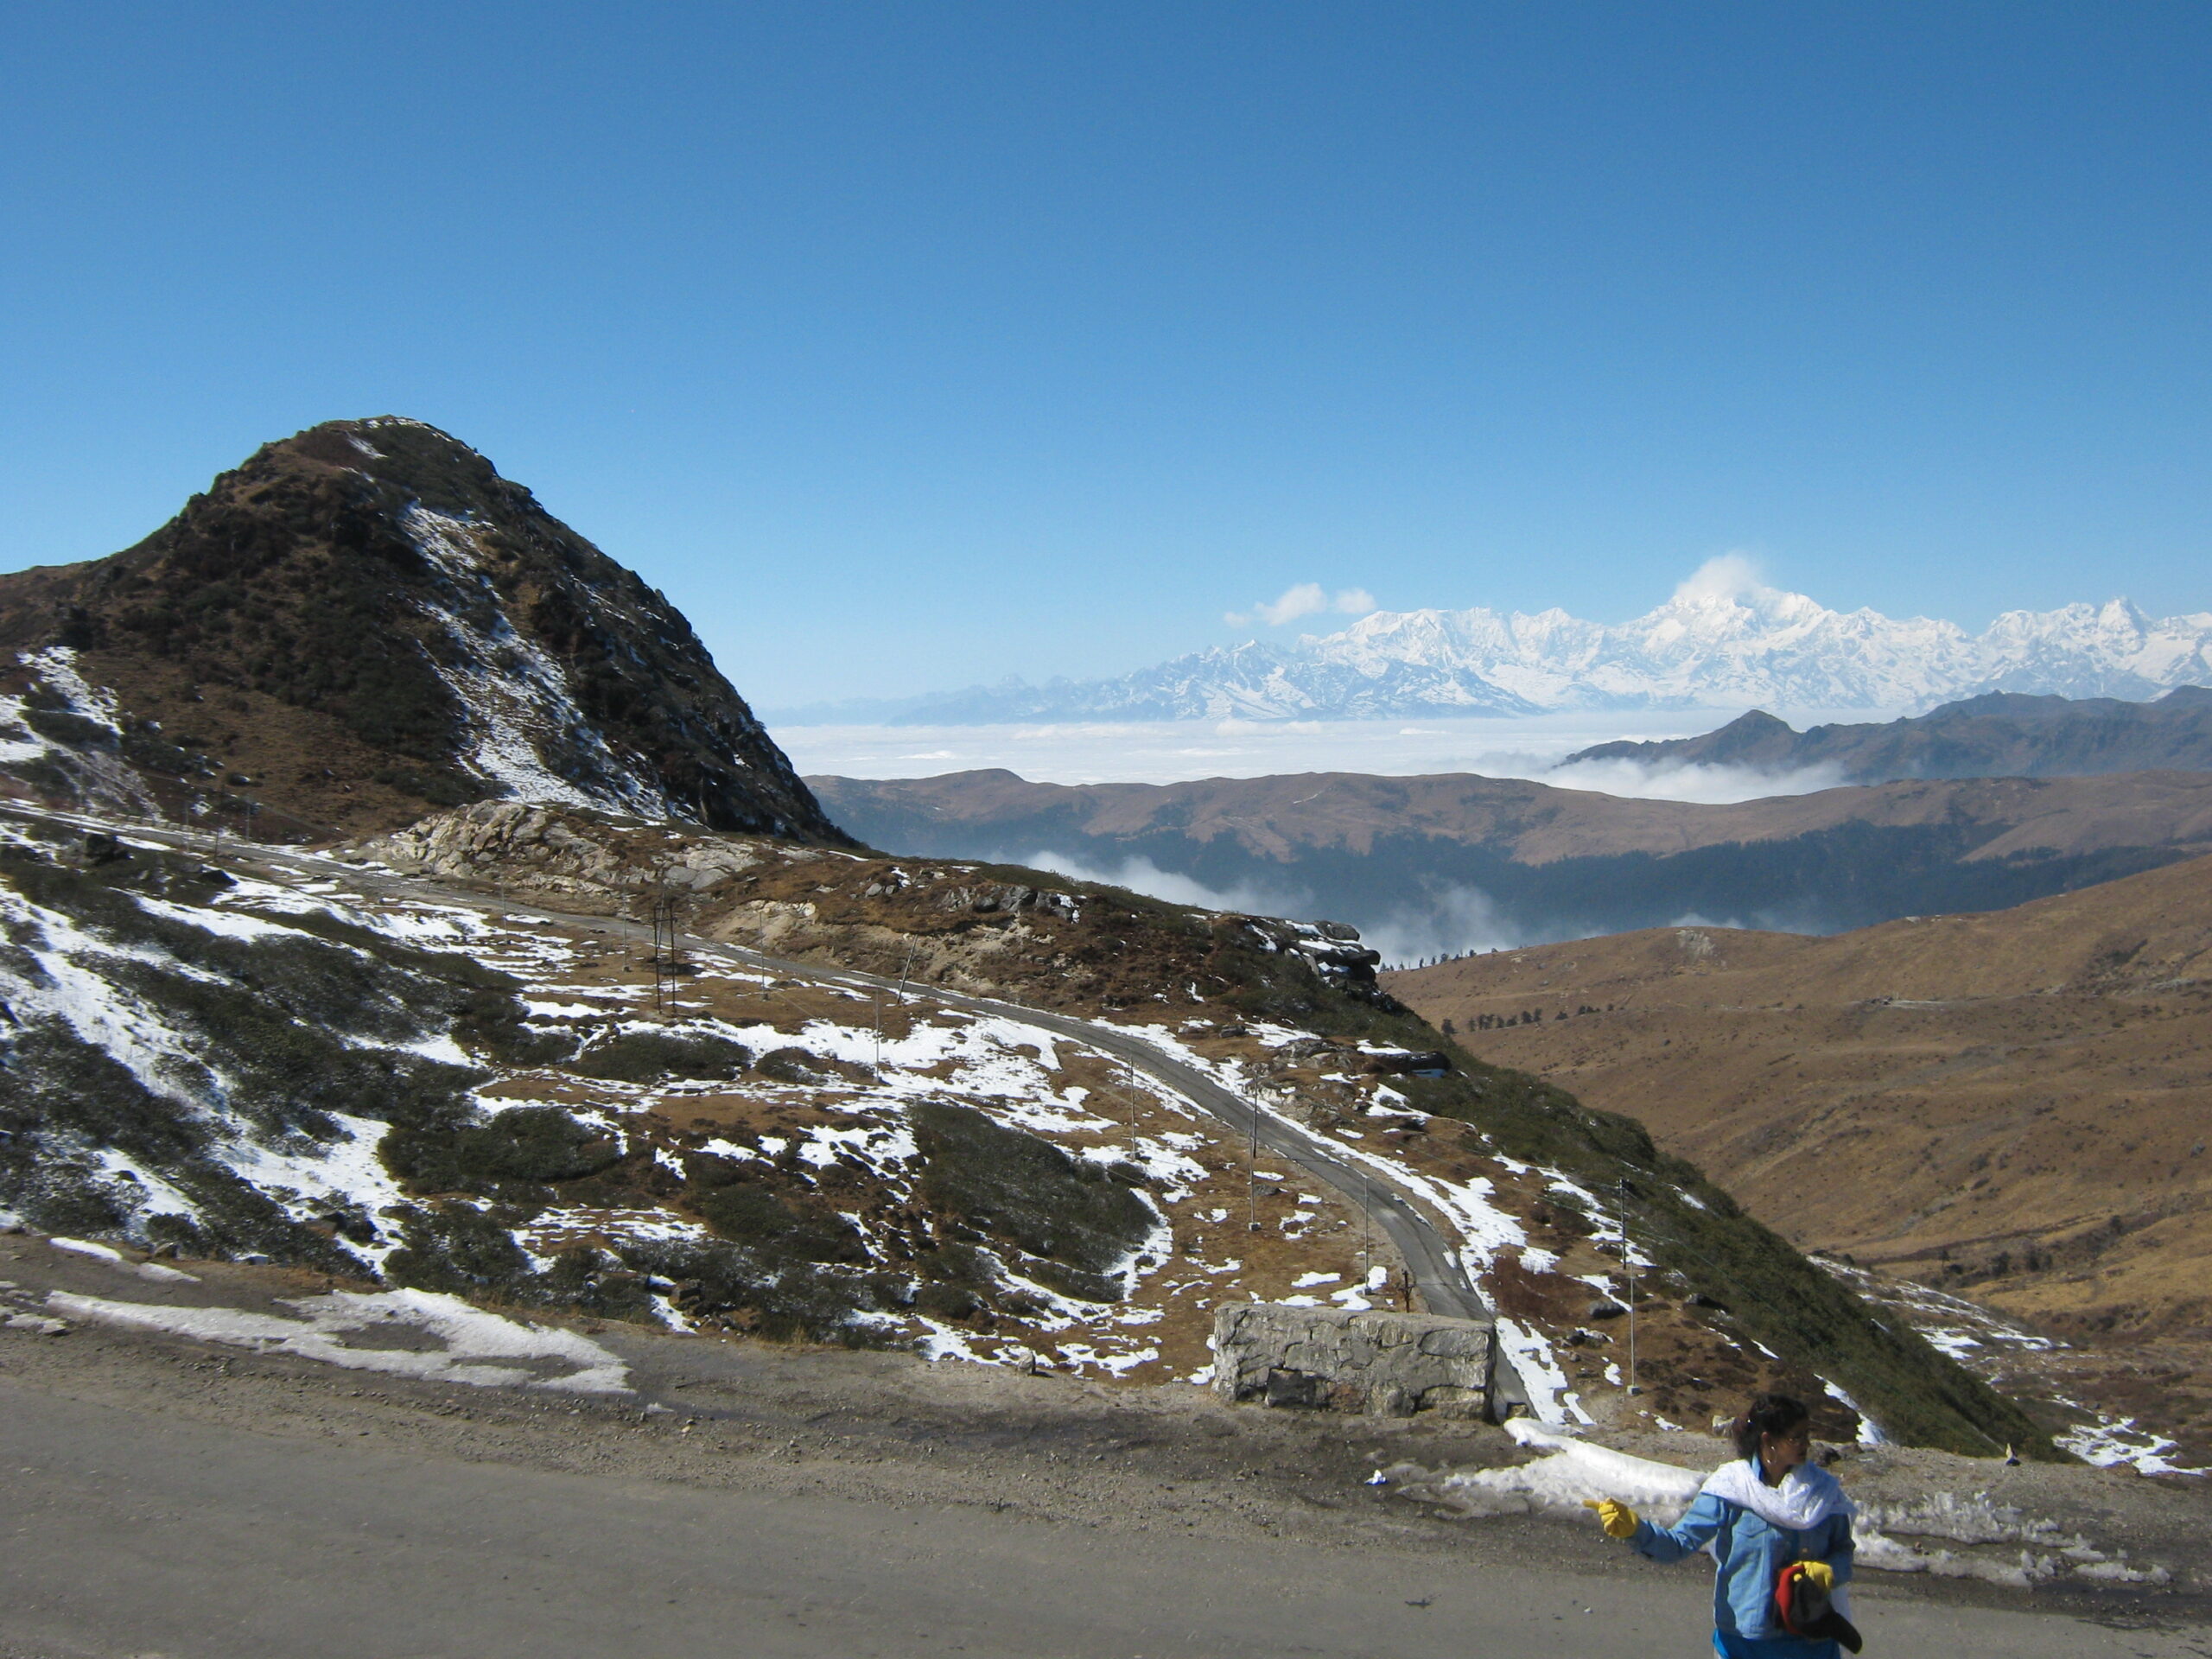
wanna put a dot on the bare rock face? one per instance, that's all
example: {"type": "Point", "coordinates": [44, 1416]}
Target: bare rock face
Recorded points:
{"type": "Point", "coordinates": [561, 851]}
{"type": "Point", "coordinates": [1386, 1364]}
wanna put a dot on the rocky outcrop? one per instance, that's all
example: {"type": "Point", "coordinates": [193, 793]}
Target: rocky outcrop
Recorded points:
{"type": "Point", "coordinates": [1385, 1365]}
{"type": "Point", "coordinates": [551, 850]}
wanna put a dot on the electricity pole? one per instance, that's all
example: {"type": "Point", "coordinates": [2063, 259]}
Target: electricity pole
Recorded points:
{"type": "Point", "coordinates": [1628, 1264]}
{"type": "Point", "coordinates": [668, 950]}
{"type": "Point", "coordinates": [1252, 1174]}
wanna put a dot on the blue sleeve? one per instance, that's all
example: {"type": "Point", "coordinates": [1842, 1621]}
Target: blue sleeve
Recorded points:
{"type": "Point", "coordinates": [1688, 1536]}
{"type": "Point", "coordinates": [1843, 1549]}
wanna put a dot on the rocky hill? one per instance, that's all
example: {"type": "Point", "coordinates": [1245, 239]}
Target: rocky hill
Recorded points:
{"type": "Point", "coordinates": [326, 1063]}
{"type": "Point", "coordinates": [1999, 734]}
{"type": "Point", "coordinates": [2011, 1106]}
{"type": "Point", "coordinates": [361, 622]}
{"type": "Point", "coordinates": [1429, 865]}
{"type": "Point", "coordinates": [1720, 642]}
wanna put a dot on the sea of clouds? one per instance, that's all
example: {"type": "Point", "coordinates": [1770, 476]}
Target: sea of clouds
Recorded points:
{"type": "Point", "coordinates": [1169, 752]}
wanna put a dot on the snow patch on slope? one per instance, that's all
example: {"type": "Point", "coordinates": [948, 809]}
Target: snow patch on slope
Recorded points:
{"type": "Point", "coordinates": [516, 697]}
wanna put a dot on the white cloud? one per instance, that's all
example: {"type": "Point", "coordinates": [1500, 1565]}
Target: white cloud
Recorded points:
{"type": "Point", "coordinates": [1307, 598]}
{"type": "Point", "coordinates": [1454, 922]}
{"type": "Point", "coordinates": [1711, 785]}
{"type": "Point", "coordinates": [1140, 875]}
{"type": "Point", "coordinates": [1726, 576]}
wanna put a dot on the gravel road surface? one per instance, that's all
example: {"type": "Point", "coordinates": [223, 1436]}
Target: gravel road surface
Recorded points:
{"type": "Point", "coordinates": [170, 1497]}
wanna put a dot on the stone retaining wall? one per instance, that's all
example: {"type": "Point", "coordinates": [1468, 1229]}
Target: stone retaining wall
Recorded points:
{"type": "Point", "coordinates": [1388, 1364]}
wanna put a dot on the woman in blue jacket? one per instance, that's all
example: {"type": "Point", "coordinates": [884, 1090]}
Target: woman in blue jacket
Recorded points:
{"type": "Point", "coordinates": [1756, 1516]}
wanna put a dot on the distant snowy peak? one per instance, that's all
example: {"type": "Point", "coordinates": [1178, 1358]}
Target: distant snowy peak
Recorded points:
{"type": "Point", "coordinates": [1701, 649]}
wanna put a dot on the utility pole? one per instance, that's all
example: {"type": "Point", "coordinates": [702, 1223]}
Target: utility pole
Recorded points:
{"type": "Point", "coordinates": [1252, 1174]}
{"type": "Point", "coordinates": [668, 949]}
{"type": "Point", "coordinates": [1366, 1231]}
{"type": "Point", "coordinates": [1628, 1264]}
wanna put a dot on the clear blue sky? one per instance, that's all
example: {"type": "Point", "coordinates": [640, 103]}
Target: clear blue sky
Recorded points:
{"type": "Point", "coordinates": [913, 345]}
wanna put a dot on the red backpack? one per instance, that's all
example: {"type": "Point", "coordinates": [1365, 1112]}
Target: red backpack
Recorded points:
{"type": "Point", "coordinates": [1805, 1609]}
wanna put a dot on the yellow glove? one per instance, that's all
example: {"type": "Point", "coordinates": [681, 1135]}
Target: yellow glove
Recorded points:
{"type": "Point", "coordinates": [1819, 1575]}
{"type": "Point", "coordinates": [1615, 1517]}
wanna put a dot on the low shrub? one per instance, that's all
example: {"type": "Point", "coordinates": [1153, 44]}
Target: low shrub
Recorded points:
{"type": "Point", "coordinates": [649, 1055]}
{"type": "Point", "coordinates": [511, 1154]}
{"type": "Point", "coordinates": [463, 1250]}
{"type": "Point", "coordinates": [1016, 1186]}
{"type": "Point", "coordinates": [800, 1067]}
{"type": "Point", "coordinates": [749, 1213]}
{"type": "Point", "coordinates": [781, 1299]}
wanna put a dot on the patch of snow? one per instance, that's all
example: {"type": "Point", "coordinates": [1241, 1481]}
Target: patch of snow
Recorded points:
{"type": "Point", "coordinates": [1576, 1472]}
{"type": "Point", "coordinates": [480, 1349]}
{"type": "Point", "coordinates": [1869, 1432]}
{"type": "Point", "coordinates": [226, 923]}
{"type": "Point", "coordinates": [85, 1247]}
{"type": "Point", "coordinates": [513, 695]}
{"type": "Point", "coordinates": [1551, 1396]}
{"type": "Point", "coordinates": [153, 1271]}
{"type": "Point", "coordinates": [342, 1174]}
{"type": "Point", "coordinates": [2118, 1442]}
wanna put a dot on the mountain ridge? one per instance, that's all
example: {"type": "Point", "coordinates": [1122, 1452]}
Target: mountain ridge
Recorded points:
{"type": "Point", "coordinates": [2000, 733]}
{"type": "Point", "coordinates": [1703, 648]}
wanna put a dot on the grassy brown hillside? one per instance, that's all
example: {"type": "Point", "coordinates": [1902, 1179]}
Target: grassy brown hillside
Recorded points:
{"type": "Point", "coordinates": [2015, 1105]}
{"type": "Point", "coordinates": [1536, 823]}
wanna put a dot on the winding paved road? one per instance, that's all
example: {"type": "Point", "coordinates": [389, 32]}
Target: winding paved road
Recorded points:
{"type": "Point", "coordinates": [1438, 1276]}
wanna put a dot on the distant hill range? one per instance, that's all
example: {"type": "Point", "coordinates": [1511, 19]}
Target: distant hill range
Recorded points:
{"type": "Point", "coordinates": [1704, 648]}
{"type": "Point", "coordinates": [2001, 734]}
{"type": "Point", "coordinates": [1428, 866]}
{"type": "Point", "coordinates": [361, 622]}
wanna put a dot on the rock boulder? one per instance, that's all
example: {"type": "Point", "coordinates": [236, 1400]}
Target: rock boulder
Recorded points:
{"type": "Point", "coordinates": [1329, 1358]}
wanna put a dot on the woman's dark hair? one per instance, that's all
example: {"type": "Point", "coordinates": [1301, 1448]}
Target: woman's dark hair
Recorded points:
{"type": "Point", "coordinates": [1768, 1414]}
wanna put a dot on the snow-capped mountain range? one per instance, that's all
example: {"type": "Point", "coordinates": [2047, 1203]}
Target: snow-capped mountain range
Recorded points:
{"type": "Point", "coordinates": [1709, 646]}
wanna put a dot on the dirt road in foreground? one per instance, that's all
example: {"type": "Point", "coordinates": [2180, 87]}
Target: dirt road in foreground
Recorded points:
{"type": "Point", "coordinates": [138, 1534]}
{"type": "Point", "coordinates": [175, 1497]}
